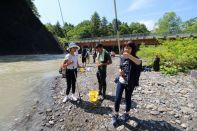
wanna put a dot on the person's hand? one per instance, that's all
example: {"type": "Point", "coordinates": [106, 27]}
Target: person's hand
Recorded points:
{"type": "Point", "coordinates": [81, 66]}
{"type": "Point", "coordinates": [98, 65]}
{"type": "Point", "coordinates": [121, 72]}
{"type": "Point", "coordinates": [64, 66]}
{"type": "Point", "coordinates": [126, 55]}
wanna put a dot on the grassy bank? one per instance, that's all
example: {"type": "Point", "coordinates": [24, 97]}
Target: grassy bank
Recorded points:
{"type": "Point", "coordinates": [176, 55]}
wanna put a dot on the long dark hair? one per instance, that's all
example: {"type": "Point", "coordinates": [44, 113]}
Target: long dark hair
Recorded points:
{"type": "Point", "coordinates": [133, 46]}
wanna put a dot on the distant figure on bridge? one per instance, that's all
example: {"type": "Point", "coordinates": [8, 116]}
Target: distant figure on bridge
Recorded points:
{"type": "Point", "coordinates": [156, 63]}
{"type": "Point", "coordinates": [103, 59]}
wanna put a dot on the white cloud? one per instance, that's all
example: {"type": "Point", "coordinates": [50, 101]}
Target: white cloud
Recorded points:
{"type": "Point", "coordinates": [139, 4]}
{"type": "Point", "coordinates": [149, 23]}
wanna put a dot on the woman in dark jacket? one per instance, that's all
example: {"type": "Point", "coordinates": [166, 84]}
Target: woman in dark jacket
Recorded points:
{"type": "Point", "coordinates": [129, 72]}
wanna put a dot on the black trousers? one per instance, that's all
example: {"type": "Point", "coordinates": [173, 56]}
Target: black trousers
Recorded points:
{"type": "Point", "coordinates": [101, 76]}
{"type": "Point", "coordinates": [71, 75]}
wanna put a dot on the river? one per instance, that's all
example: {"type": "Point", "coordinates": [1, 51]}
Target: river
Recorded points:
{"type": "Point", "coordinates": [23, 78]}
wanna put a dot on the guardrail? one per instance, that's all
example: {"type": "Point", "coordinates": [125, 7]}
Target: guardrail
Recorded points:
{"type": "Point", "coordinates": [142, 36]}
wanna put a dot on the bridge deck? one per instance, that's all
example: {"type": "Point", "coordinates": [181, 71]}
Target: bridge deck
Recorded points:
{"type": "Point", "coordinates": [149, 39]}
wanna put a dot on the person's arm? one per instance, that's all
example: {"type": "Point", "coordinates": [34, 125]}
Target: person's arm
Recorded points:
{"type": "Point", "coordinates": [64, 64]}
{"type": "Point", "coordinates": [78, 65]}
{"type": "Point", "coordinates": [132, 58]}
{"type": "Point", "coordinates": [67, 62]}
{"type": "Point", "coordinates": [97, 61]}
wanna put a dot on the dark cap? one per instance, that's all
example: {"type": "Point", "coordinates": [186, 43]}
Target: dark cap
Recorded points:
{"type": "Point", "coordinates": [99, 45]}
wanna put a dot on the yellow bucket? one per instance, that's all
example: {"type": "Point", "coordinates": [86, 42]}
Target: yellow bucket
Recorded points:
{"type": "Point", "coordinates": [93, 96]}
{"type": "Point", "coordinates": [81, 69]}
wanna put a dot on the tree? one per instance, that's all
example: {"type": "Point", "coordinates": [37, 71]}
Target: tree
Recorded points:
{"type": "Point", "coordinates": [58, 30]}
{"type": "Point", "coordinates": [124, 29]}
{"type": "Point", "coordinates": [67, 27]}
{"type": "Point", "coordinates": [104, 29]}
{"type": "Point", "coordinates": [82, 30]}
{"type": "Point", "coordinates": [50, 28]}
{"type": "Point", "coordinates": [95, 25]}
{"type": "Point", "coordinates": [110, 29]}
{"type": "Point", "coordinates": [136, 27]}
{"type": "Point", "coordinates": [190, 25]}
{"type": "Point", "coordinates": [33, 7]}
{"type": "Point", "coordinates": [169, 23]}
{"type": "Point", "coordinates": [115, 27]}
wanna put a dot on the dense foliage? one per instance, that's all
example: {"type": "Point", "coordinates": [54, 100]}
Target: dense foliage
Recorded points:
{"type": "Point", "coordinates": [95, 27]}
{"type": "Point", "coordinates": [176, 55]}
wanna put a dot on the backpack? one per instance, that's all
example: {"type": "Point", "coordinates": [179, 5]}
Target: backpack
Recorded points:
{"type": "Point", "coordinates": [63, 71]}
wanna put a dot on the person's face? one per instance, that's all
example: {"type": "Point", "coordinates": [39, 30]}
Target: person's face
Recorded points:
{"type": "Point", "coordinates": [73, 49]}
{"type": "Point", "coordinates": [128, 49]}
{"type": "Point", "coordinates": [99, 49]}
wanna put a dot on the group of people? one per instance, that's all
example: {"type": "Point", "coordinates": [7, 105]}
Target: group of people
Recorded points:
{"type": "Point", "coordinates": [85, 55]}
{"type": "Point", "coordinates": [126, 81]}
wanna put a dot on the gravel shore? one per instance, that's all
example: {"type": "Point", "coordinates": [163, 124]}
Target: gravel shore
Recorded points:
{"type": "Point", "coordinates": [159, 103]}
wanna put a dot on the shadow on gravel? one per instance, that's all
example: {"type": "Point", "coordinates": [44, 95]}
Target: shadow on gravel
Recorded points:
{"type": "Point", "coordinates": [149, 125]}
{"type": "Point", "coordinates": [93, 108]}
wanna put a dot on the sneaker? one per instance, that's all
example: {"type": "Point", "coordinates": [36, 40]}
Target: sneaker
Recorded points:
{"type": "Point", "coordinates": [115, 120]}
{"type": "Point", "coordinates": [101, 98]}
{"type": "Point", "coordinates": [73, 97]}
{"type": "Point", "coordinates": [124, 117]}
{"type": "Point", "coordinates": [65, 99]}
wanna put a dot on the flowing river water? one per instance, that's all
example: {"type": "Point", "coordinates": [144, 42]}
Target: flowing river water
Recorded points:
{"type": "Point", "coordinates": [23, 79]}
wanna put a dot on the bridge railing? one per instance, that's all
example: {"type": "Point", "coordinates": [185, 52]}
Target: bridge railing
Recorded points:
{"type": "Point", "coordinates": [142, 36]}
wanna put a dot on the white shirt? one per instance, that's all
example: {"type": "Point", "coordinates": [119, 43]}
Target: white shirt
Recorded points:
{"type": "Point", "coordinates": [72, 58]}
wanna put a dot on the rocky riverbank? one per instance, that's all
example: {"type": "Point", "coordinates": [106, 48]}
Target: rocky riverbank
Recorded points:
{"type": "Point", "coordinates": [159, 103]}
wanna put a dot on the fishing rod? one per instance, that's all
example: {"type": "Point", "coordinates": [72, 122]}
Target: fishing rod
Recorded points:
{"type": "Point", "coordinates": [117, 29]}
{"type": "Point", "coordinates": [77, 86]}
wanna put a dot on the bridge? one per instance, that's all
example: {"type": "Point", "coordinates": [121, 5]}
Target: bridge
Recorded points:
{"type": "Point", "coordinates": [147, 39]}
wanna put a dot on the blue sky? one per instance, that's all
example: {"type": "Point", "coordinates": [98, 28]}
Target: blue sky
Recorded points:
{"type": "Point", "coordinates": [143, 11]}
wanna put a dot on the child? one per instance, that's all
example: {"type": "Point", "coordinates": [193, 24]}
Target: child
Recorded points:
{"type": "Point", "coordinates": [71, 64]}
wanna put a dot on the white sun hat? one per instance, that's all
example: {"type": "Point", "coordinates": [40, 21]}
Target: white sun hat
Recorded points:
{"type": "Point", "coordinates": [72, 45]}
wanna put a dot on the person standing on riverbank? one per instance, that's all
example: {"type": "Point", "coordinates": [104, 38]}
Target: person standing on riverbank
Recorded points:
{"type": "Point", "coordinates": [156, 63]}
{"type": "Point", "coordinates": [71, 64]}
{"type": "Point", "coordinates": [94, 56]}
{"type": "Point", "coordinates": [84, 56]}
{"type": "Point", "coordinates": [103, 59]}
{"type": "Point", "coordinates": [127, 80]}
